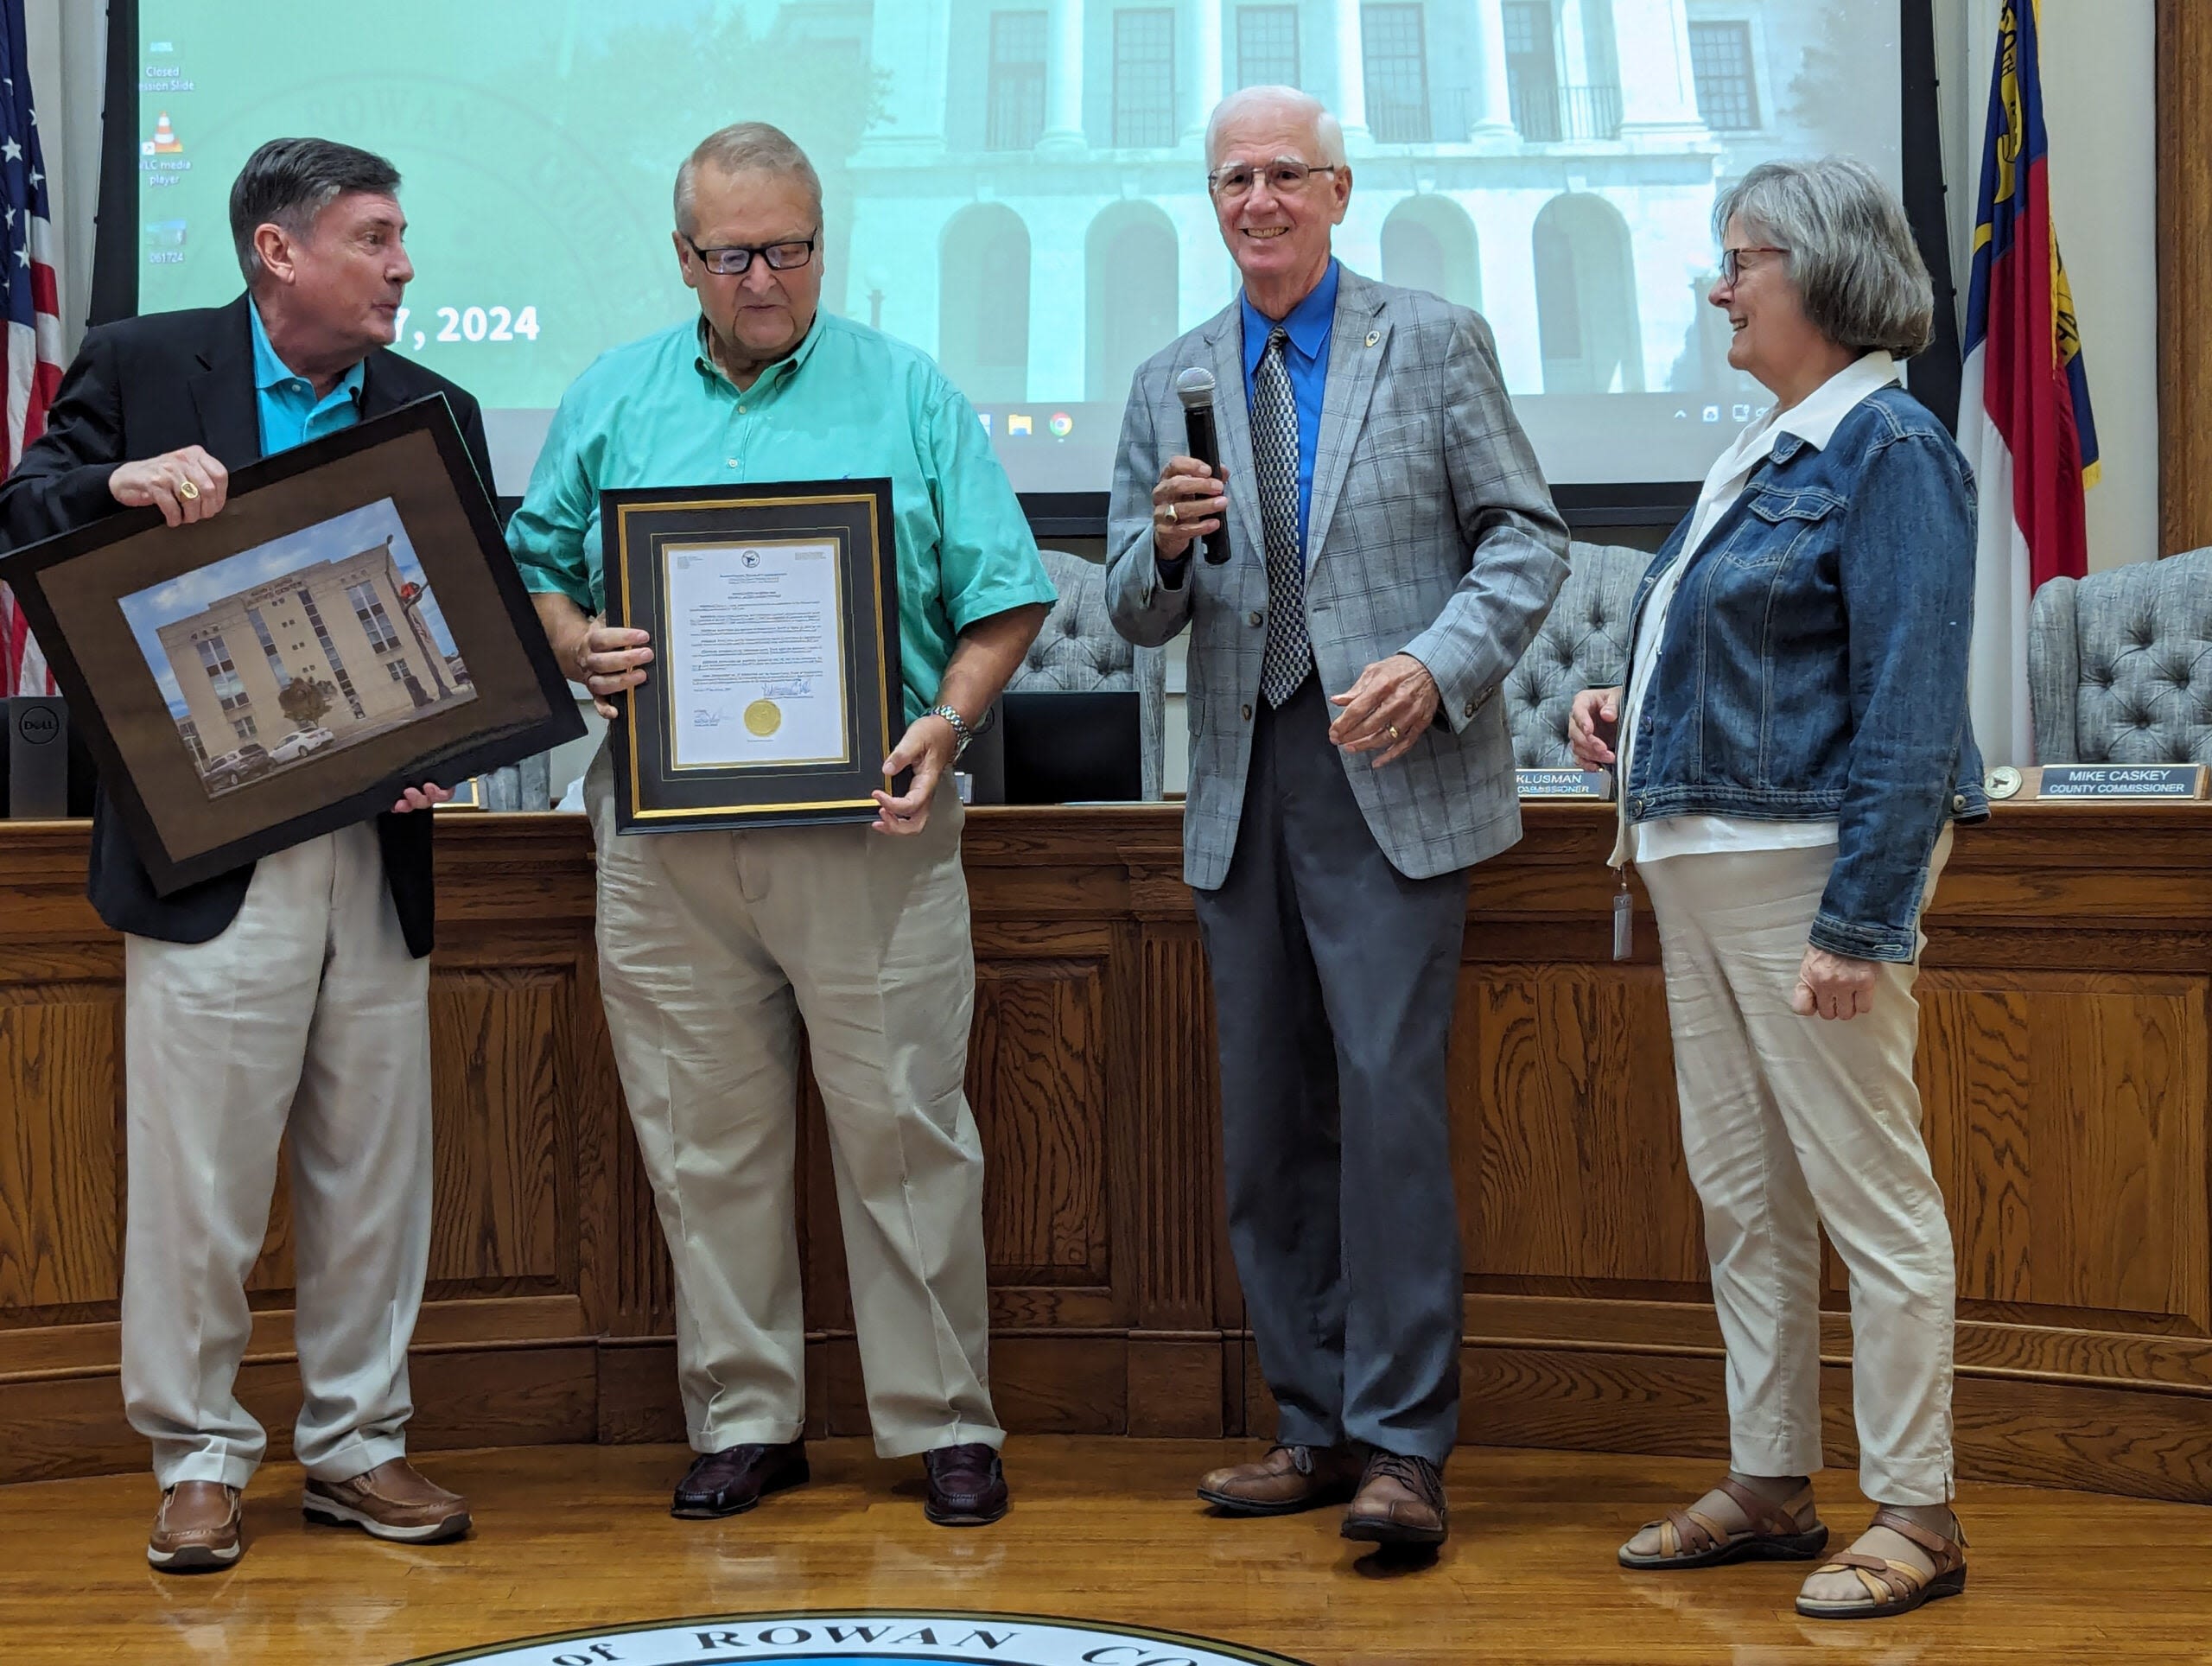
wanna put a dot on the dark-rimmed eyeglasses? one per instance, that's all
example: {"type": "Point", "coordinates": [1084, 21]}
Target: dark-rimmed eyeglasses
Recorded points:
{"type": "Point", "coordinates": [1731, 260]}
{"type": "Point", "coordinates": [1286, 176]}
{"type": "Point", "coordinates": [731, 262]}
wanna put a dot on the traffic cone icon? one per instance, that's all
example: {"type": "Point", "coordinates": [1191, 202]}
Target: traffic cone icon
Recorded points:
{"type": "Point", "coordinates": [165, 140]}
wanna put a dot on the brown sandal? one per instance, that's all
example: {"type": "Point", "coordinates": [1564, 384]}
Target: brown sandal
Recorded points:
{"type": "Point", "coordinates": [1895, 1587]}
{"type": "Point", "coordinates": [1689, 1540]}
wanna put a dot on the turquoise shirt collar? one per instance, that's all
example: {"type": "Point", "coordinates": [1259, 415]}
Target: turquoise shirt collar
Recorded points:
{"type": "Point", "coordinates": [772, 375]}
{"type": "Point", "coordinates": [1309, 321]}
{"type": "Point", "coordinates": [270, 372]}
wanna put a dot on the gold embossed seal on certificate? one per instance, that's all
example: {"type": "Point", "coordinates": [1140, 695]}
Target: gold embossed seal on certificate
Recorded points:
{"type": "Point", "coordinates": [773, 695]}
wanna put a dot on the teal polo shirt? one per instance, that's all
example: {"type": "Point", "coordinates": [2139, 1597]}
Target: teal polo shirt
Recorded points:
{"type": "Point", "coordinates": [849, 403]}
{"type": "Point", "coordinates": [290, 414]}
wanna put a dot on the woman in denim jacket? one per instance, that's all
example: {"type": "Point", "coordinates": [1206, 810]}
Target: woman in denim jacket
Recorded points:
{"type": "Point", "coordinates": [1795, 750]}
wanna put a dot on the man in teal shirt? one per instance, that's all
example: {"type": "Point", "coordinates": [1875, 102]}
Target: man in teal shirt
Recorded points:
{"type": "Point", "coordinates": [713, 945]}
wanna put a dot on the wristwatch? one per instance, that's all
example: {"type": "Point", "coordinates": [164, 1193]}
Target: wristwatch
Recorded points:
{"type": "Point", "coordinates": [961, 734]}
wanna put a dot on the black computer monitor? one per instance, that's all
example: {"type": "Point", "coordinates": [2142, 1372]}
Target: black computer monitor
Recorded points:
{"type": "Point", "coordinates": [1063, 746]}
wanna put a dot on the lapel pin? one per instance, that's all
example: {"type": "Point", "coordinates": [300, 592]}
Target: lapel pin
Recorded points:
{"type": "Point", "coordinates": [1373, 336]}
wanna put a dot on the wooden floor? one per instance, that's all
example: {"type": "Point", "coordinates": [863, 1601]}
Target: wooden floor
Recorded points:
{"type": "Point", "coordinates": [1102, 1529]}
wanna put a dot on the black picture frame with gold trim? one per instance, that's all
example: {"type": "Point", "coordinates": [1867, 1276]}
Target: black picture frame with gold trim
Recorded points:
{"type": "Point", "coordinates": [640, 531]}
{"type": "Point", "coordinates": [200, 806]}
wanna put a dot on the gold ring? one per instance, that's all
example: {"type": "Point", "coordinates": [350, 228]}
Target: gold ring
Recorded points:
{"type": "Point", "coordinates": [1170, 514]}
{"type": "Point", "coordinates": [187, 490]}
{"type": "Point", "coordinates": [1394, 731]}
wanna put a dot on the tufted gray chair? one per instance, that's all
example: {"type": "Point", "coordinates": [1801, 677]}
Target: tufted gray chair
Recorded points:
{"type": "Point", "coordinates": [1582, 644]}
{"type": "Point", "coordinates": [1078, 649]}
{"type": "Point", "coordinates": [2119, 665]}
{"type": "Point", "coordinates": [525, 786]}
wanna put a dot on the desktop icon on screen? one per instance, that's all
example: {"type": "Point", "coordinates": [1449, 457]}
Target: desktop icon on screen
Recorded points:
{"type": "Point", "coordinates": [1017, 422]}
{"type": "Point", "coordinates": [1062, 425]}
{"type": "Point", "coordinates": [165, 141]}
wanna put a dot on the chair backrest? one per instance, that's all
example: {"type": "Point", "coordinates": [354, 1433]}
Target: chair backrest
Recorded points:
{"type": "Point", "coordinates": [525, 786]}
{"type": "Point", "coordinates": [1582, 644]}
{"type": "Point", "coordinates": [1078, 648]}
{"type": "Point", "coordinates": [2119, 665]}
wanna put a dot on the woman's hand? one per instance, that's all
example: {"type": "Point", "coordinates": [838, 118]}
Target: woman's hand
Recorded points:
{"type": "Point", "coordinates": [1592, 707]}
{"type": "Point", "coordinates": [1834, 986]}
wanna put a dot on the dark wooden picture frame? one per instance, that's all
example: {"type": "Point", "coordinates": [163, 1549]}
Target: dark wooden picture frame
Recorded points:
{"type": "Point", "coordinates": [95, 597]}
{"type": "Point", "coordinates": [639, 530]}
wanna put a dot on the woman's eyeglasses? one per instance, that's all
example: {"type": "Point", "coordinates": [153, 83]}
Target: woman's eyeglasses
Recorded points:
{"type": "Point", "coordinates": [1731, 260]}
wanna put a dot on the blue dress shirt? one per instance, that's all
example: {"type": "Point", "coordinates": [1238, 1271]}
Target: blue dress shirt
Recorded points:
{"type": "Point", "coordinates": [1305, 356]}
{"type": "Point", "coordinates": [290, 414]}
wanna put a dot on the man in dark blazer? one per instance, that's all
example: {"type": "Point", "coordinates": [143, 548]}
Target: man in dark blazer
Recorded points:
{"type": "Point", "coordinates": [290, 994]}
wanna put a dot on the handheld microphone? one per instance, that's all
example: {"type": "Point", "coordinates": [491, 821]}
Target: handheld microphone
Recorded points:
{"type": "Point", "coordinates": [1194, 387]}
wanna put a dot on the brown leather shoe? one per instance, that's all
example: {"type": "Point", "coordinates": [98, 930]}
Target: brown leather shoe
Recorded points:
{"type": "Point", "coordinates": [196, 1528]}
{"type": "Point", "coordinates": [391, 1501]}
{"type": "Point", "coordinates": [1286, 1480]}
{"type": "Point", "coordinates": [967, 1485]}
{"type": "Point", "coordinates": [733, 1480]}
{"type": "Point", "coordinates": [1400, 1501]}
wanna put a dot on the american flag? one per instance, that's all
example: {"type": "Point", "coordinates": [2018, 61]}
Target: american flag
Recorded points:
{"type": "Point", "coordinates": [33, 315]}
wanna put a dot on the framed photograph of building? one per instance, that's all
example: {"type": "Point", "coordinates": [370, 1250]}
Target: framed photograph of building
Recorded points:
{"type": "Point", "coordinates": [350, 623]}
{"type": "Point", "coordinates": [773, 695]}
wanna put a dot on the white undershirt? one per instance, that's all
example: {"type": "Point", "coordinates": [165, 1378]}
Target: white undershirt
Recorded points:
{"type": "Point", "coordinates": [1814, 420]}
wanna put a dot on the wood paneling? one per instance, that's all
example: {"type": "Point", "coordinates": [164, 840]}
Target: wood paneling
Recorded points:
{"type": "Point", "coordinates": [2184, 255]}
{"type": "Point", "coordinates": [2063, 1063]}
{"type": "Point", "coordinates": [1037, 1078]}
{"type": "Point", "coordinates": [2065, 1121]}
{"type": "Point", "coordinates": [1570, 1158]}
{"type": "Point", "coordinates": [61, 1162]}
{"type": "Point", "coordinates": [498, 1125]}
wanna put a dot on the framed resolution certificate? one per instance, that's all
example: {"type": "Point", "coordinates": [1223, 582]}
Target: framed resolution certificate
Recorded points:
{"type": "Point", "coordinates": [773, 695]}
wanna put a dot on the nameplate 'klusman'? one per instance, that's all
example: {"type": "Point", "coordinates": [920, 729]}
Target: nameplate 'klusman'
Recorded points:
{"type": "Point", "coordinates": [1572, 782]}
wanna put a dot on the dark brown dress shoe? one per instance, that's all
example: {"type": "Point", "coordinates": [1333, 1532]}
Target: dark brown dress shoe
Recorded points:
{"type": "Point", "coordinates": [1400, 1501]}
{"type": "Point", "coordinates": [967, 1485]}
{"type": "Point", "coordinates": [196, 1528]}
{"type": "Point", "coordinates": [1289, 1479]}
{"type": "Point", "coordinates": [733, 1480]}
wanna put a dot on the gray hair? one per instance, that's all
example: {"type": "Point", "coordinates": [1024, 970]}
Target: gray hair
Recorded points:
{"type": "Point", "coordinates": [1852, 253]}
{"type": "Point", "coordinates": [739, 148]}
{"type": "Point", "coordinates": [1328, 133]}
{"type": "Point", "coordinates": [287, 183]}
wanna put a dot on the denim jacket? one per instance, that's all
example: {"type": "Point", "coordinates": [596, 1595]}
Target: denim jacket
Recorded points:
{"type": "Point", "coordinates": [1813, 665]}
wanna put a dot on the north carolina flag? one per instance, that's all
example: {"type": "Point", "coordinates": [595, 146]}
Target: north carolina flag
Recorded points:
{"type": "Point", "coordinates": [2024, 396]}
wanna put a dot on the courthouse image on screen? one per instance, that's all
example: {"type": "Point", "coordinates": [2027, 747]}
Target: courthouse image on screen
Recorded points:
{"type": "Point", "coordinates": [1017, 187]}
{"type": "Point", "coordinates": [308, 643]}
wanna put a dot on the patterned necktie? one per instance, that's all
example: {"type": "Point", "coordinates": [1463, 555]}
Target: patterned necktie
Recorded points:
{"type": "Point", "coordinates": [1289, 654]}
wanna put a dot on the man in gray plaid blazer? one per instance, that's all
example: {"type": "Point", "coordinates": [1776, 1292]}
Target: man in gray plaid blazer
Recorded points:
{"type": "Point", "coordinates": [1393, 549]}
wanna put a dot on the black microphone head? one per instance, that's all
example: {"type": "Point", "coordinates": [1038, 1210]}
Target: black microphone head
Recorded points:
{"type": "Point", "coordinates": [1194, 387]}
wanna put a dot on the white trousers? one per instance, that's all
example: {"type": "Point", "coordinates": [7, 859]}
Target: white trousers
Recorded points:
{"type": "Point", "coordinates": [1792, 1124]}
{"type": "Point", "coordinates": [712, 947]}
{"type": "Point", "coordinates": [307, 1016]}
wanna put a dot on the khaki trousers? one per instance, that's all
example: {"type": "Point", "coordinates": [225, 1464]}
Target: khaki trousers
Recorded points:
{"type": "Point", "coordinates": [713, 947]}
{"type": "Point", "coordinates": [1794, 1123]}
{"type": "Point", "coordinates": [308, 1016]}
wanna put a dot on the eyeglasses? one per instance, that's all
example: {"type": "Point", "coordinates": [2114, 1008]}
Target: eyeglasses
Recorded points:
{"type": "Point", "coordinates": [1286, 176]}
{"type": "Point", "coordinates": [731, 262]}
{"type": "Point", "coordinates": [1731, 260]}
